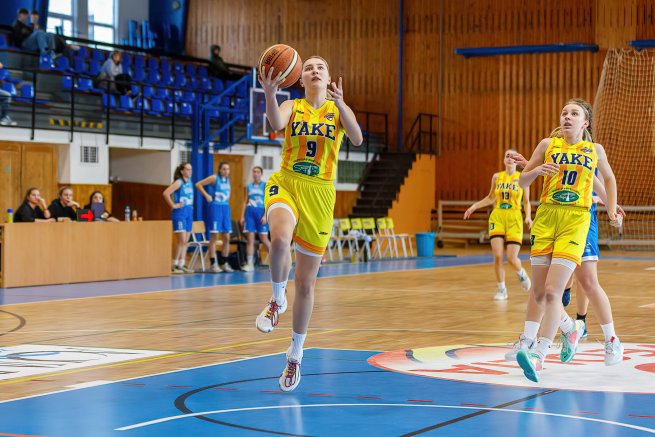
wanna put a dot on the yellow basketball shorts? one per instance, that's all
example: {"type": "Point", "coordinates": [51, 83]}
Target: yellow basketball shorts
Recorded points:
{"type": "Point", "coordinates": [506, 223]}
{"type": "Point", "coordinates": [561, 231]}
{"type": "Point", "coordinates": [312, 202]}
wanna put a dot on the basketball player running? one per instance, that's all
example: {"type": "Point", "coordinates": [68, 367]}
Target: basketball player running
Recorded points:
{"type": "Point", "coordinates": [560, 228]}
{"type": "Point", "coordinates": [300, 197]}
{"type": "Point", "coordinates": [220, 221]}
{"type": "Point", "coordinates": [587, 276]}
{"type": "Point", "coordinates": [182, 213]}
{"type": "Point", "coordinates": [253, 217]}
{"type": "Point", "coordinates": [506, 222]}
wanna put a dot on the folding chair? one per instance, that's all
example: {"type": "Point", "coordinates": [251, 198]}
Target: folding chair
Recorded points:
{"type": "Point", "coordinates": [362, 240]}
{"type": "Point", "coordinates": [198, 242]}
{"type": "Point", "coordinates": [368, 224]}
{"type": "Point", "coordinates": [384, 236]}
{"type": "Point", "coordinates": [343, 236]}
{"type": "Point", "coordinates": [401, 237]}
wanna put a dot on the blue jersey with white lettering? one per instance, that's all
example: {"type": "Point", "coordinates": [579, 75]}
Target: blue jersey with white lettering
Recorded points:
{"type": "Point", "coordinates": [256, 194]}
{"type": "Point", "coordinates": [185, 194]}
{"type": "Point", "coordinates": [221, 191]}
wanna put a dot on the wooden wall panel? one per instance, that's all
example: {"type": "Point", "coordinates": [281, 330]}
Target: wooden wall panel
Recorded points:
{"type": "Point", "coordinates": [147, 199]}
{"type": "Point", "coordinates": [82, 192]}
{"type": "Point", "coordinates": [10, 169]}
{"type": "Point", "coordinates": [487, 104]}
{"type": "Point", "coordinates": [345, 202]}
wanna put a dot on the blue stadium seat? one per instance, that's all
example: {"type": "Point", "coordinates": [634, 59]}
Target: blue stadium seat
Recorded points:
{"type": "Point", "coordinates": [192, 83]}
{"type": "Point", "coordinates": [162, 93]}
{"type": "Point", "coordinates": [178, 67]}
{"type": "Point", "coordinates": [153, 77]}
{"type": "Point", "coordinates": [4, 41]}
{"type": "Point", "coordinates": [84, 84]}
{"type": "Point", "coordinates": [202, 71]}
{"type": "Point", "coordinates": [79, 66]}
{"type": "Point", "coordinates": [166, 79]}
{"type": "Point", "coordinates": [185, 109]}
{"type": "Point", "coordinates": [125, 103]}
{"type": "Point", "coordinates": [27, 90]}
{"type": "Point", "coordinates": [126, 61]}
{"type": "Point", "coordinates": [135, 89]}
{"type": "Point", "coordinates": [98, 55]}
{"type": "Point", "coordinates": [205, 84]}
{"type": "Point", "coordinates": [111, 98]}
{"type": "Point", "coordinates": [82, 53]}
{"type": "Point", "coordinates": [62, 63]}
{"type": "Point", "coordinates": [217, 86]}
{"type": "Point", "coordinates": [179, 80]}
{"type": "Point", "coordinates": [157, 106]}
{"type": "Point", "coordinates": [148, 92]}
{"type": "Point", "coordinates": [66, 83]}
{"type": "Point", "coordinates": [9, 87]}
{"type": "Point", "coordinates": [45, 62]}
{"type": "Point", "coordinates": [139, 62]}
{"type": "Point", "coordinates": [138, 74]}
{"type": "Point", "coordinates": [153, 64]}
{"type": "Point", "coordinates": [188, 96]}
{"type": "Point", "coordinates": [190, 70]}
{"type": "Point", "coordinates": [94, 67]}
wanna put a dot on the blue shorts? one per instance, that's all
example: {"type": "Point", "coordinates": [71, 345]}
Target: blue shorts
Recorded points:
{"type": "Point", "coordinates": [254, 217]}
{"type": "Point", "coordinates": [591, 250]}
{"type": "Point", "coordinates": [220, 221]}
{"type": "Point", "coordinates": [182, 219]}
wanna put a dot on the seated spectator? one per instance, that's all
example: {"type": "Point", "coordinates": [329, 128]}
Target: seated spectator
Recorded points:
{"type": "Point", "coordinates": [5, 99]}
{"type": "Point", "coordinates": [31, 36]}
{"type": "Point", "coordinates": [62, 207]}
{"type": "Point", "coordinates": [97, 197]}
{"type": "Point", "coordinates": [111, 77]}
{"type": "Point", "coordinates": [33, 208]}
{"type": "Point", "coordinates": [218, 67]}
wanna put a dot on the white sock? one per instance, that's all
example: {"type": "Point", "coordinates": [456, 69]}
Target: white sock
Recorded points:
{"type": "Point", "coordinates": [501, 285]}
{"type": "Point", "coordinates": [608, 331]}
{"type": "Point", "coordinates": [522, 272]}
{"type": "Point", "coordinates": [250, 259]}
{"type": "Point", "coordinates": [297, 342]}
{"type": "Point", "coordinates": [279, 292]}
{"type": "Point", "coordinates": [530, 329]}
{"type": "Point", "coordinates": [542, 347]}
{"type": "Point", "coordinates": [174, 263]}
{"type": "Point", "coordinates": [566, 324]}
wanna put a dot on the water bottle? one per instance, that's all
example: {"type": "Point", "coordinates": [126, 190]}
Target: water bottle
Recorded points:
{"type": "Point", "coordinates": [10, 215]}
{"type": "Point", "coordinates": [127, 213]}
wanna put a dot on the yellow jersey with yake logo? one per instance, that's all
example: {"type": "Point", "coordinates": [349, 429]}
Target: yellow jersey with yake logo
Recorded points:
{"type": "Point", "coordinates": [508, 192]}
{"type": "Point", "coordinates": [312, 140]}
{"type": "Point", "coordinates": [574, 183]}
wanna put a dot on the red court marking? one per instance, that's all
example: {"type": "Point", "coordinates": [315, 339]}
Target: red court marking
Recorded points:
{"type": "Point", "coordinates": [369, 397]}
{"type": "Point", "coordinates": [419, 400]}
{"type": "Point", "coordinates": [180, 386]}
{"type": "Point", "coordinates": [583, 412]}
{"type": "Point", "coordinates": [224, 388]}
{"type": "Point", "coordinates": [270, 391]}
{"type": "Point", "coordinates": [320, 394]}
{"type": "Point", "coordinates": [641, 417]}
{"type": "Point", "coordinates": [473, 405]}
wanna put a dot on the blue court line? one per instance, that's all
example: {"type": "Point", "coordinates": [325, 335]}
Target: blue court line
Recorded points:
{"type": "Point", "coordinates": [11, 296]}
{"type": "Point", "coordinates": [338, 394]}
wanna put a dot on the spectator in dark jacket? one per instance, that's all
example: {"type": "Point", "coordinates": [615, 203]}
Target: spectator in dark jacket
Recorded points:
{"type": "Point", "coordinates": [31, 36]}
{"type": "Point", "coordinates": [62, 207]}
{"type": "Point", "coordinates": [33, 208]}
{"type": "Point", "coordinates": [218, 67]}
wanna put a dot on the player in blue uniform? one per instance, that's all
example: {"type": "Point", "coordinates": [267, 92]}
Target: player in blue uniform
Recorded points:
{"type": "Point", "coordinates": [253, 217]}
{"type": "Point", "coordinates": [182, 213]}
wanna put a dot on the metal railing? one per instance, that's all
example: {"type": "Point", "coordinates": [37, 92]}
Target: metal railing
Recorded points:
{"type": "Point", "coordinates": [423, 135]}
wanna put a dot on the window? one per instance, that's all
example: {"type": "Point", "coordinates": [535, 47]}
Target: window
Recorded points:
{"type": "Point", "coordinates": [102, 20]}
{"type": "Point", "coordinates": [185, 156]}
{"type": "Point", "coordinates": [60, 15]}
{"type": "Point", "coordinates": [267, 162]}
{"type": "Point", "coordinates": [350, 172]}
{"type": "Point", "coordinates": [89, 154]}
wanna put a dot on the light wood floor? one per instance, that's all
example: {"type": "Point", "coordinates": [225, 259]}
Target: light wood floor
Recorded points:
{"type": "Point", "coordinates": [380, 311]}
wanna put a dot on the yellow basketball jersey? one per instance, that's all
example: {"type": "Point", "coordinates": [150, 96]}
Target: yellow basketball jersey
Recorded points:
{"type": "Point", "coordinates": [312, 140]}
{"type": "Point", "coordinates": [574, 183]}
{"type": "Point", "coordinates": [508, 192]}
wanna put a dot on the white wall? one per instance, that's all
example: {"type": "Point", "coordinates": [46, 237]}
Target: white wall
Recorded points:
{"type": "Point", "coordinates": [141, 166]}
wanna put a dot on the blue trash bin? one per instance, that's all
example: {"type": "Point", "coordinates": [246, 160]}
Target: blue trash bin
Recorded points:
{"type": "Point", "coordinates": [425, 243]}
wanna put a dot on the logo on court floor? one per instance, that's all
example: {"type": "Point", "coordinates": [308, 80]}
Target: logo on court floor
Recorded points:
{"type": "Point", "coordinates": [486, 364]}
{"type": "Point", "coordinates": [35, 359]}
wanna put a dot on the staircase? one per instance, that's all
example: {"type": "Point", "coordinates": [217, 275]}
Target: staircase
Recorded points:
{"type": "Point", "coordinates": [381, 184]}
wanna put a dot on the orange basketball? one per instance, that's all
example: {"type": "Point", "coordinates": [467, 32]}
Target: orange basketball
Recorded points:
{"type": "Point", "coordinates": [282, 58]}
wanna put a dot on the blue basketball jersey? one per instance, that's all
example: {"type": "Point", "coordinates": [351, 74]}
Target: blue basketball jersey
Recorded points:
{"type": "Point", "coordinates": [222, 191]}
{"type": "Point", "coordinates": [185, 194]}
{"type": "Point", "coordinates": [256, 194]}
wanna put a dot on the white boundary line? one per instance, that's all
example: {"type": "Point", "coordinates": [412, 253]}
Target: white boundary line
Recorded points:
{"type": "Point", "coordinates": [454, 407]}
{"type": "Point", "coordinates": [147, 376]}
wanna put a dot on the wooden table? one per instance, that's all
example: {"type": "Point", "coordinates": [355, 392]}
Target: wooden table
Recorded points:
{"type": "Point", "coordinates": [61, 253]}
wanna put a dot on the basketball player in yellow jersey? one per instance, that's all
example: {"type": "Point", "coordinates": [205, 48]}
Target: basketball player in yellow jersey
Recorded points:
{"type": "Point", "coordinates": [299, 199]}
{"type": "Point", "coordinates": [560, 228]}
{"type": "Point", "coordinates": [506, 222]}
